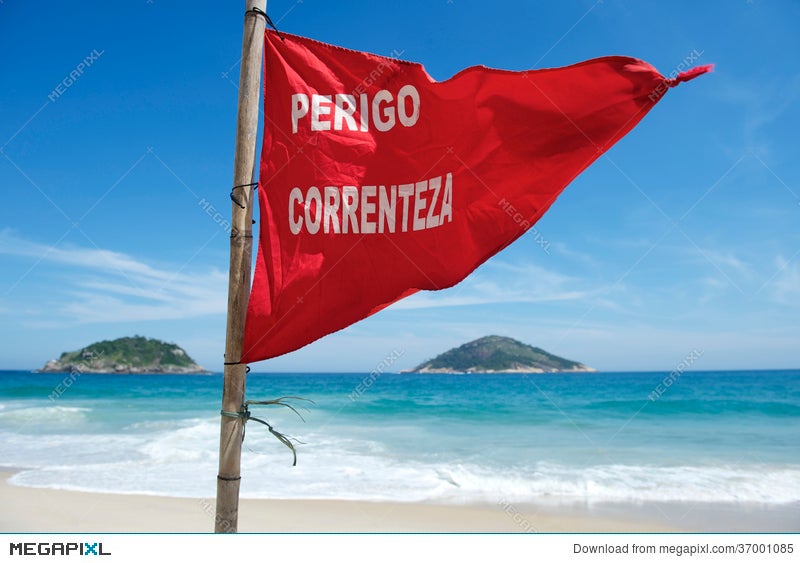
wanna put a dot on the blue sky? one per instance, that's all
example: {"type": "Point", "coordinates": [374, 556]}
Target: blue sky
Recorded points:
{"type": "Point", "coordinates": [684, 238]}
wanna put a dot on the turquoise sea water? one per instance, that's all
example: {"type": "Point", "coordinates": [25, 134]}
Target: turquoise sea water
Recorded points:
{"type": "Point", "coordinates": [561, 438]}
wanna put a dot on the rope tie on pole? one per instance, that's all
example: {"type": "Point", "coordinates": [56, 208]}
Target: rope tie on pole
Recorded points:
{"type": "Point", "coordinates": [233, 198]}
{"type": "Point", "coordinates": [246, 415]}
{"type": "Point", "coordinates": [246, 370]}
{"type": "Point", "coordinates": [260, 12]}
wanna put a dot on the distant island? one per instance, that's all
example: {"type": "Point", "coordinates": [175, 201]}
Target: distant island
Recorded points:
{"type": "Point", "coordinates": [132, 354]}
{"type": "Point", "coordinates": [498, 354]}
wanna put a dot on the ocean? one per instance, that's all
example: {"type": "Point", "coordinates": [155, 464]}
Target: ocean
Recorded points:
{"type": "Point", "coordinates": [477, 438]}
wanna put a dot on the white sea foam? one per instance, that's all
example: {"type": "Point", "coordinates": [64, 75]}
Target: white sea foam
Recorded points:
{"type": "Point", "coordinates": [45, 419]}
{"type": "Point", "coordinates": [47, 414]}
{"type": "Point", "coordinates": [632, 483]}
{"type": "Point", "coordinates": [180, 459]}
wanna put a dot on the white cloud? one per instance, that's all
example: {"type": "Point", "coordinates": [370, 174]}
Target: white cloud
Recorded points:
{"type": "Point", "coordinates": [106, 286]}
{"type": "Point", "coordinates": [785, 285]}
{"type": "Point", "coordinates": [502, 282]}
{"type": "Point", "coordinates": [728, 262]}
{"type": "Point", "coordinates": [757, 105]}
{"type": "Point", "coordinates": [583, 258]}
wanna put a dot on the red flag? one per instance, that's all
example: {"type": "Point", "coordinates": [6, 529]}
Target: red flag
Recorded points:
{"type": "Point", "coordinates": [377, 181]}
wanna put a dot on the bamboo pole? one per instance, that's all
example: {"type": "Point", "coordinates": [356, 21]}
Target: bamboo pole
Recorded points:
{"type": "Point", "coordinates": [230, 436]}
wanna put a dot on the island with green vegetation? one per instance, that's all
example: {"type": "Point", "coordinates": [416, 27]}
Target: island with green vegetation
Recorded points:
{"type": "Point", "coordinates": [132, 354]}
{"type": "Point", "coordinates": [498, 354]}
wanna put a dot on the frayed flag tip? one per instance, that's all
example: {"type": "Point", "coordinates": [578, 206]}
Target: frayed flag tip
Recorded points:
{"type": "Point", "coordinates": [691, 74]}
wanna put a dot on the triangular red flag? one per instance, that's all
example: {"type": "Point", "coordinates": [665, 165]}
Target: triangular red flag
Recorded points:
{"type": "Point", "coordinates": [377, 181]}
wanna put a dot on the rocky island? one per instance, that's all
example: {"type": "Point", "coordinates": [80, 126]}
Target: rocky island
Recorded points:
{"type": "Point", "coordinates": [498, 354]}
{"type": "Point", "coordinates": [135, 354]}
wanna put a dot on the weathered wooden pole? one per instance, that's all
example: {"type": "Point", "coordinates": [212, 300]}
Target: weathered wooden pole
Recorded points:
{"type": "Point", "coordinates": [230, 436]}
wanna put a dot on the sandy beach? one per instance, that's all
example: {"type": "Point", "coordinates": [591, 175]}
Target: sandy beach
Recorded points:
{"type": "Point", "coordinates": [28, 509]}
